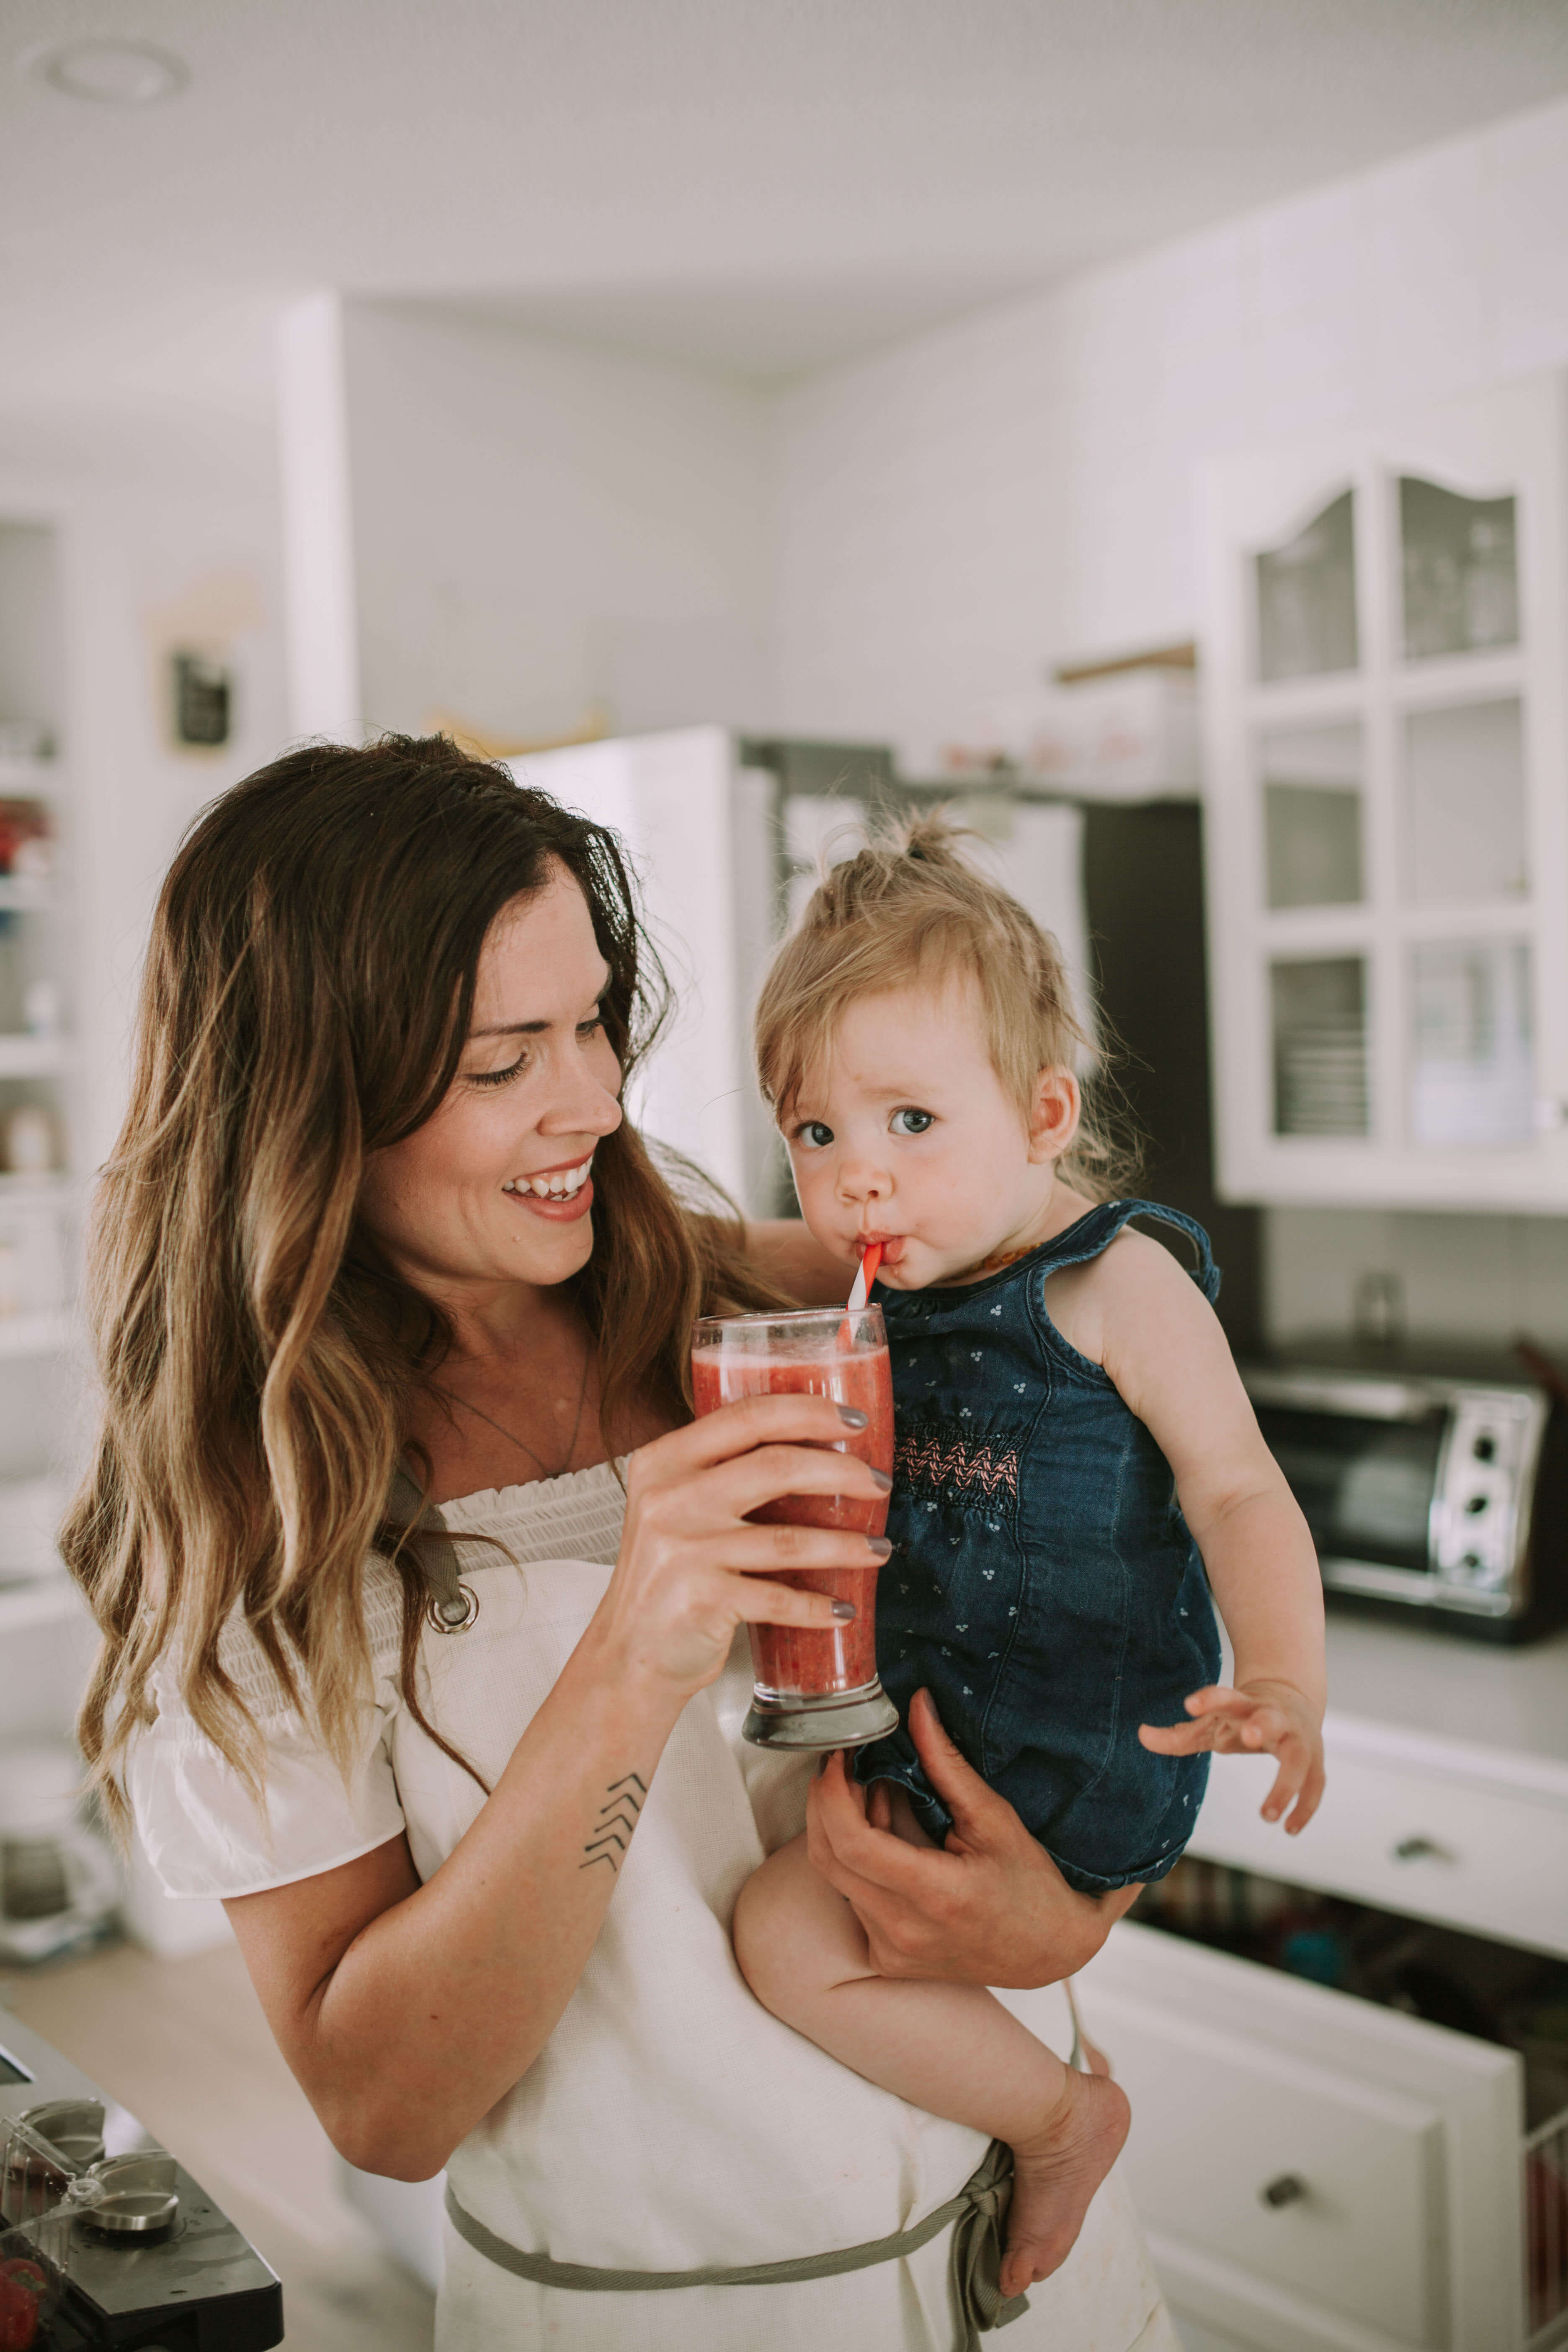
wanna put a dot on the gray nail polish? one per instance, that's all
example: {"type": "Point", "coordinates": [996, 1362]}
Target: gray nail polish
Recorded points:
{"type": "Point", "coordinates": [883, 1480]}
{"type": "Point", "coordinates": [846, 1611]}
{"type": "Point", "coordinates": [880, 1547]}
{"type": "Point", "coordinates": [851, 1416]}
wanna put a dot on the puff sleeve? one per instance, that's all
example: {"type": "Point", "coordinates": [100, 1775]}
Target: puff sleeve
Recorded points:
{"type": "Point", "coordinates": [203, 1830]}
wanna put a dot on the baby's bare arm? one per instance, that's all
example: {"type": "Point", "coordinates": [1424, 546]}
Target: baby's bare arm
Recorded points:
{"type": "Point", "coordinates": [1136, 1311]}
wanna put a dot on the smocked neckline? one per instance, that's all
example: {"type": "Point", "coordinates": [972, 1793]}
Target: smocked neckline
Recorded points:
{"type": "Point", "coordinates": [1020, 1265]}
{"type": "Point", "coordinates": [570, 1487]}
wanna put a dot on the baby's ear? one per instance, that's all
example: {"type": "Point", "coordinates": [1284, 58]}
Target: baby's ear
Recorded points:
{"type": "Point", "coordinates": [1055, 1114]}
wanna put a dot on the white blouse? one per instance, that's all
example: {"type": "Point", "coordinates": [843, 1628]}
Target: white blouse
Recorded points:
{"type": "Point", "coordinates": [671, 2123]}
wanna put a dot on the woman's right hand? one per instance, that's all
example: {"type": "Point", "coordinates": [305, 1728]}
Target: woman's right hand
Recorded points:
{"type": "Point", "coordinates": [691, 1566]}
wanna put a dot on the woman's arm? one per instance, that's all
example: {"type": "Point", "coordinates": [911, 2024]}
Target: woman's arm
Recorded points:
{"type": "Point", "coordinates": [408, 2011]}
{"type": "Point", "coordinates": [787, 1251]}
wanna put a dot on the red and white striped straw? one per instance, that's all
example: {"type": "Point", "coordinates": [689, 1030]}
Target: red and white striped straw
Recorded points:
{"type": "Point", "coordinates": [870, 1259]}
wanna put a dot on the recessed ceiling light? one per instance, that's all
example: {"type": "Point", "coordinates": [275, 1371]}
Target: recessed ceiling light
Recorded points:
{"type": "Point", "coordinates": [113, 73]}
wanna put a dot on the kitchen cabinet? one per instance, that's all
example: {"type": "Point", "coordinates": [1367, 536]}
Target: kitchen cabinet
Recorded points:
{"type": "Point", "coordinates": [1386, 744]}
{"type": "Point", "coordinates": [1318, 2172]}
{"type": "Point", "coordinates": [1314, 2174]}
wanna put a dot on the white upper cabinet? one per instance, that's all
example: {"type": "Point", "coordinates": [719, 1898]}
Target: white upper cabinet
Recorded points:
{"type": "Point", "coordinates": [1385, 668]}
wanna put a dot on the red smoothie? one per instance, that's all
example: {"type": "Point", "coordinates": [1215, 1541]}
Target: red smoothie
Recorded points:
{"type": "Point", "coordinates": [790, 1661]}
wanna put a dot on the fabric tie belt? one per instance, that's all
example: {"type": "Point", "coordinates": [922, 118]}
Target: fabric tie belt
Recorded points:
{"type": "Point", "coordinates": [975, 2263]}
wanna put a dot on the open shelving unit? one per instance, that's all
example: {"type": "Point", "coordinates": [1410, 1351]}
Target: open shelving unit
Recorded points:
{"type": "Point", "coordinates": [40, 1196]}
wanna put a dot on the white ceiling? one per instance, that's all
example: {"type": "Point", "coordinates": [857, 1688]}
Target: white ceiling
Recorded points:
{"type": "Point", "coordinates": [756, 185]}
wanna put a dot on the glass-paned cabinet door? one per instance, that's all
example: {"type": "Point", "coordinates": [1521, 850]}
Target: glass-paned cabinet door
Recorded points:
{"type": "Point", "coordinates": [1318, 1005]}
{"type": "Point", "coordinates": [1462, 814]}
{"type": "Point", "coordinates": [1472, 1059]}
{"type": "Point", "coordinates": [1384, 676]}
{"type": "Point", "coordinates": [1311, 780]}
{"type": "Point", "coordinates": [1306, 596]}
{"type": "Point", "coordinates": [1459, 570]}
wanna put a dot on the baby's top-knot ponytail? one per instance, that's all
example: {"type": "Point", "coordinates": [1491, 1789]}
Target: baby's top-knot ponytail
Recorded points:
{"type": "Point", "coordinates": [932, 839]}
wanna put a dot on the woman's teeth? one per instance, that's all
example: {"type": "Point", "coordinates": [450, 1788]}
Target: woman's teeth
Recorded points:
{"type": "Point", "coordinates": [560, 1184]}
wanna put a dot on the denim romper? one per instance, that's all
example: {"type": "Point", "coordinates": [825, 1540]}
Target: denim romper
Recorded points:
{"type": "Point", "coordinates": [1042, 1584]}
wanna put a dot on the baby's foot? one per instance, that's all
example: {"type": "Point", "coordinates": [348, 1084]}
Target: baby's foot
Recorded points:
{"type": "Point", "coordinates": [1056, 2172]}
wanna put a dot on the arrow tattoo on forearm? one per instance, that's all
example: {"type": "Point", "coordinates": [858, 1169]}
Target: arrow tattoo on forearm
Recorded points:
{"type": "Point", "coordinates": [618, 1820]}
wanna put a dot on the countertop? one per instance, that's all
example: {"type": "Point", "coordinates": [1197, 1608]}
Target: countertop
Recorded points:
{"type": "Point", "coordinates": [1429, 1699]}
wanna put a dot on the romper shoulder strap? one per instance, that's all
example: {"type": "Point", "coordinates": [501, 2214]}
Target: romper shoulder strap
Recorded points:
{"type": "Point", "coordinates": [1097, 1231]}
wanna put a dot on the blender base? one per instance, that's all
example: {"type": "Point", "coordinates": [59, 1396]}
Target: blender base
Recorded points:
{"type": "Point", "coordinates": [837, 1719]}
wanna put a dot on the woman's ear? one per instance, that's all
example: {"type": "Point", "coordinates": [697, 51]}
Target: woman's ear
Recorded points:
{"type": "Point", "coordinates": [1054, 1119]}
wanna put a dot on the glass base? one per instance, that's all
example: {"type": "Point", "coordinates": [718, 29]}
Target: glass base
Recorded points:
{"type": "Point", "coordinates": [835, 1719]}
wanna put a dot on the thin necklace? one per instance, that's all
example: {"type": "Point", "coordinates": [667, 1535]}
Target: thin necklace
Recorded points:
{"type": "Point", "coordinates": [512, 1439]}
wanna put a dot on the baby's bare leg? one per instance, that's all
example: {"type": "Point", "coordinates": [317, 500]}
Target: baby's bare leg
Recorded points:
{"type": "Point", "coordinates": [951, 2049]}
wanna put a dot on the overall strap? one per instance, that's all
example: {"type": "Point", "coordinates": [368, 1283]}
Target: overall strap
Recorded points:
{"type": "Point", "coordinates": [1097, 1231]}
{"type": "Point", "coordinates": [419, 1527]}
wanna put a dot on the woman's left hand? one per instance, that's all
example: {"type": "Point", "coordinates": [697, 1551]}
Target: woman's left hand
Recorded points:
{"type": "Point", "coordinates": [990, 1908]}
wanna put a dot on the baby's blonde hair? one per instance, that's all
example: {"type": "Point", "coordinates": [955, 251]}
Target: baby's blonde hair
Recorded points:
{"type": "Point", "coordinates": [911, 911]}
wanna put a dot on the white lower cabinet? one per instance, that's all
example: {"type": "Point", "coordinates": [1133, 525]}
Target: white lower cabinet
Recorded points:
{"type": "Point", "coordinates": [1314, 2173]}
{"type": "Point", "coordinates": [1433, 1845]}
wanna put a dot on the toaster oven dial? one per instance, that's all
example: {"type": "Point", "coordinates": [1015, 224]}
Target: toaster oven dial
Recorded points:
{"type": "Point", "coordinates": [1474, 1511]}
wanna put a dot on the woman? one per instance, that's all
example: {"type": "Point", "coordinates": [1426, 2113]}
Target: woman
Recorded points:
{"type": "Point", "coordinates": [376, 1207]}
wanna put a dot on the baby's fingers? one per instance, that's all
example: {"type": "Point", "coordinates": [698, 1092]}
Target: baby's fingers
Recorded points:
{"type": "Point", "coordinates": [1286, 1782]}
{"type": "Point", "coordinates": [1219, 1699]}
{"type": "Point", "coordinates": [1176, 1738]}
{"type": "Point", "coordinates": [1307, 1804]}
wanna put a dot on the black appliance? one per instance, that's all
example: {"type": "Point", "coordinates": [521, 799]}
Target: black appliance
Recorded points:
{"type": "Point", "coordinates": [1435, 1481]}
{"type": "Point", "coordinates": [154, 2266]}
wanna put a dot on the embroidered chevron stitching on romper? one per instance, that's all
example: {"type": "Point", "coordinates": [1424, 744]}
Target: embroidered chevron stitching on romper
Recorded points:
{"type": "Point", "coordinates": [933, 1458]}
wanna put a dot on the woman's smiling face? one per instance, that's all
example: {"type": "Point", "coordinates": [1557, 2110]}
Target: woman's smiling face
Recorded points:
{"type": "Point", "coordinates": [909, 1138]}
{"type": "Point", "coordinates": [497, 1186]}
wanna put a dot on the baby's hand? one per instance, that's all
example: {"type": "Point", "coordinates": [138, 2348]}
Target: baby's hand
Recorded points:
{"type": "Point", "coordinates": [1256, 1719]}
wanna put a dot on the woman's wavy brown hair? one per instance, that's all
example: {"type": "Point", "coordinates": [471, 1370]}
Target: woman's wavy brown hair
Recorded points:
{"type": "Point", "coordinates": [308, 992]}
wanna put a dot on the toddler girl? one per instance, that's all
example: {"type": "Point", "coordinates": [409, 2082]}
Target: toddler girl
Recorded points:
{"type": "Point", "coordinates": [1074, 1449]}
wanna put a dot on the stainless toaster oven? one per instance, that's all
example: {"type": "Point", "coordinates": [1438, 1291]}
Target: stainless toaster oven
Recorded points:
{"type": "Point", "coordinates": [1437, 1490]}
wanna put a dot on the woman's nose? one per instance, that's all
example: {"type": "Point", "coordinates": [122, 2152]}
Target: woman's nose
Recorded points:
{"type": "Point", "coordinates": [580, 1104]}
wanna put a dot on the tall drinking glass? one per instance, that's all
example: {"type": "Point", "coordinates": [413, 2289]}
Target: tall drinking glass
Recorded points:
{"type": "Point", "coordinates": [815, 1686]}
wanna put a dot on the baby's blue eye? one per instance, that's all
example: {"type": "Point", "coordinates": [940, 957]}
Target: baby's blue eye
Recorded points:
{"type": "Point", "coordinates": [910, 1122]}
{"type": "Point", "coordinates": [814, 1135]}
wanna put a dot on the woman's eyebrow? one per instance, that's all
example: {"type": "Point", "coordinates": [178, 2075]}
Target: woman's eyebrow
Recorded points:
{"type": "Point", "coordinates": [531, 1028]}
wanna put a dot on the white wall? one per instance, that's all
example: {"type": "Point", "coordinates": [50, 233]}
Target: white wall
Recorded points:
{"type": "Point", "coordinates": [540, 527]}
{"type": "Point", "coordinates": [159, 563]}
{"type": "Point", "coordinates": [963, 508]}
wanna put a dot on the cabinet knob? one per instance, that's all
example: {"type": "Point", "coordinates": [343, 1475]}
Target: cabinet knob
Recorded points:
{"type": "Point", "coordinates": [1421, 1849]}
{"type": "Point", "coordinates": [1287, 2190]}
